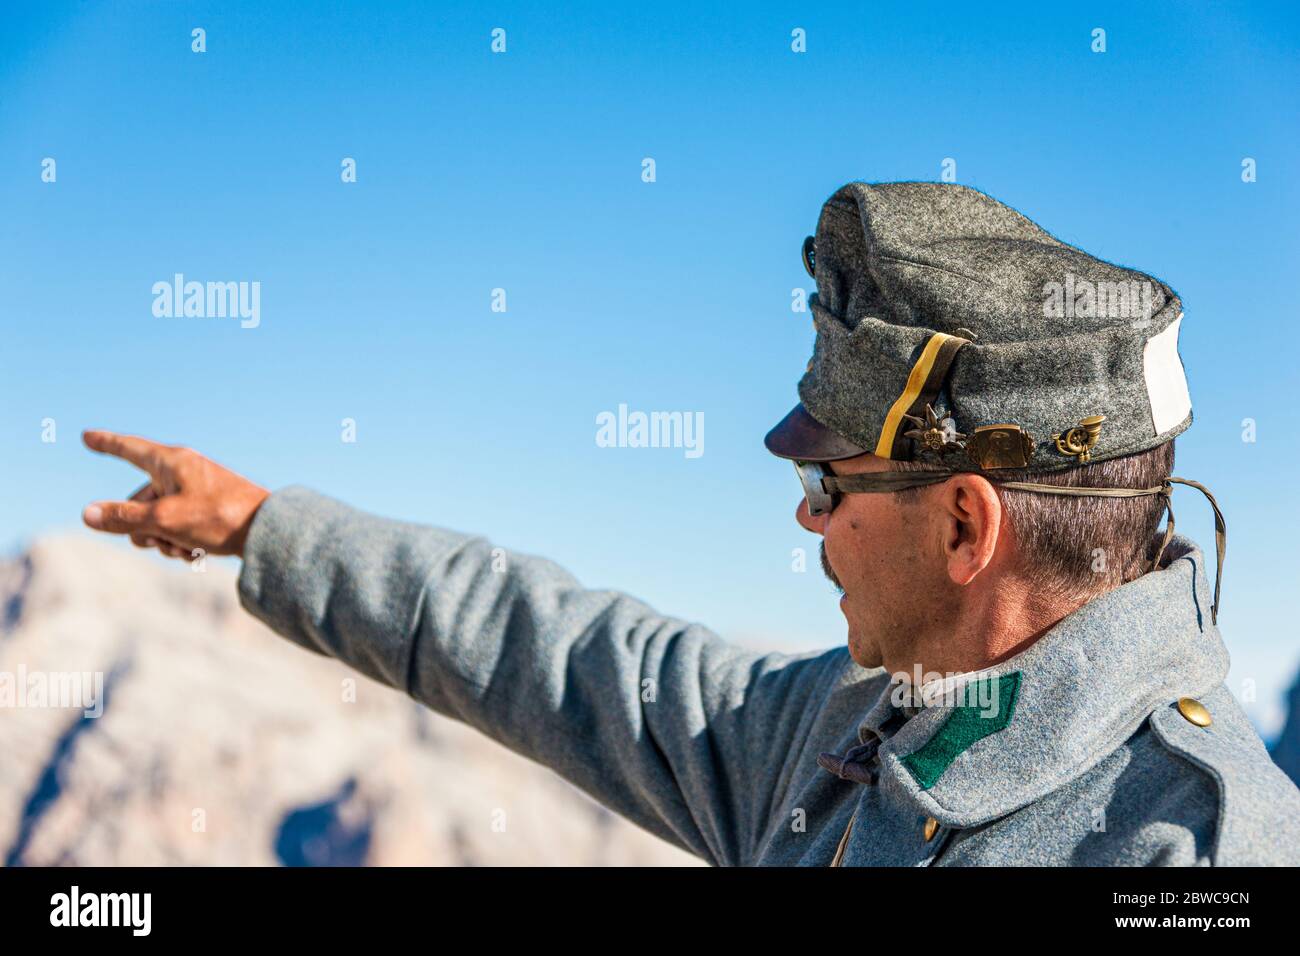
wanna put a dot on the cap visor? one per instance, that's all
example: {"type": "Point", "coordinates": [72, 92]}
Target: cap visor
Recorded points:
{"type": "Point", "coordinates": [801, 437]}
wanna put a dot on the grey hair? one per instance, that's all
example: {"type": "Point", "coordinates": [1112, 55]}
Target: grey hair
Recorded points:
{"type": "Point", "coordinates": [1075, 547]}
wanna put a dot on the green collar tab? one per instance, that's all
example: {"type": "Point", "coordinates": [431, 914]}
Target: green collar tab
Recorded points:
{"type": "Point", "coordinates": [965, 725]}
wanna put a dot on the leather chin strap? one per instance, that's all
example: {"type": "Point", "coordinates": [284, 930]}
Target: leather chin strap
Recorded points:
{"type": "Point", "coordinates": [900, 480]}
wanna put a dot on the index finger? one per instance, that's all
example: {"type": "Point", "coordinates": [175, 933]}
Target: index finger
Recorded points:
{"type": "Point", "coordinates": [140, 452]}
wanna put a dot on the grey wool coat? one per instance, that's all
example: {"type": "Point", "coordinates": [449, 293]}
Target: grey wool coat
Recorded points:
{"type": "Point", "coordinates": [716, 749]}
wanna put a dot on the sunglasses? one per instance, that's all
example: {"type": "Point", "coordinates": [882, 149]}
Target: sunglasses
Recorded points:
{"type": "Point", "coordinates": [822, 488]}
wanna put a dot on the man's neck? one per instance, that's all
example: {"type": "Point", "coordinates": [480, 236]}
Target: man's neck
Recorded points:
{"type": "Point", "coordinates": [987, 631]}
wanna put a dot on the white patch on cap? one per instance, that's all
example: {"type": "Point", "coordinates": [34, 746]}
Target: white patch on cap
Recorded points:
{"type": "Point", "coordinates": [1165, 378]}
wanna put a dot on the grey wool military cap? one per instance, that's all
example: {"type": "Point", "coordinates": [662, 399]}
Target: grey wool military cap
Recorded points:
{"type": "Point", "coordinates": [951, 327]}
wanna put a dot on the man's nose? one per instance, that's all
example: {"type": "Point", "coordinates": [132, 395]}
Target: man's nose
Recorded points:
{"type": "Point", "coordinates": [814, 523]}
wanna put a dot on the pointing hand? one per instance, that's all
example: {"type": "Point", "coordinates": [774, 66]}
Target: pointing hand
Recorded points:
{"type": "Point", "coordinates": [191, 504]}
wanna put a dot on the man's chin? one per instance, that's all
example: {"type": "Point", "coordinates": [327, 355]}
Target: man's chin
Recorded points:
{"type": "Point", "coordinates": [865, 653]}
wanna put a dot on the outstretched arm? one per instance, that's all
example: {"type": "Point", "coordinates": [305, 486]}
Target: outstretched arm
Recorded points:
{"type": "Point", "coordinates": [657, 718]}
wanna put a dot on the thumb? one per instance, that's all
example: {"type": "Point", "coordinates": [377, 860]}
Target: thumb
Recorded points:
{"type": "Point", "coordinates": [121, 517]}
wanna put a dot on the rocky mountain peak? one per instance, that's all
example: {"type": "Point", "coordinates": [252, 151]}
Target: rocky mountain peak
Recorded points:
{"type": "Point", "coordinates": [146, 719]}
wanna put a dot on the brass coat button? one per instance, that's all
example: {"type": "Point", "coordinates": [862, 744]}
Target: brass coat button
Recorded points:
{"type": "Point", "coordinates": [931, 828]}
{"type": "Point", "coordinates": [1194, 711]}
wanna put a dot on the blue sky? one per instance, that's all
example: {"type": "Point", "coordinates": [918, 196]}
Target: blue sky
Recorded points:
{"type": "Point", "coordinates": [522, 171]}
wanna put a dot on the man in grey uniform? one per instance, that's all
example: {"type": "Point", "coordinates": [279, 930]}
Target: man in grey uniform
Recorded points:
{"type": "Point", "coordinates": [1033, 672]}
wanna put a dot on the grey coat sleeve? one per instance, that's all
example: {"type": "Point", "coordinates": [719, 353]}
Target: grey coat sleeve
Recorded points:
{"type": "Point", "coordinates": [658, 719]}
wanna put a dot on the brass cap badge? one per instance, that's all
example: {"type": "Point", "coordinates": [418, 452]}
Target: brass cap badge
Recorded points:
{"type": "Point", "coordinates": [1000, 446]}
{"type": "Point", "coordinates": [937, 432]}
{"type": "Point", "coordinates": [1079, 441]}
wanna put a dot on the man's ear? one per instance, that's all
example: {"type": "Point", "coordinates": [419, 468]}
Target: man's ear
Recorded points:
{"type": "Point", "coordinates": [970, 516]}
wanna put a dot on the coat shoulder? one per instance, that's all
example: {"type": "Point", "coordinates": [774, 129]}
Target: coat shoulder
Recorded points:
{"type": "Point", "coordinates": [1256, 818]}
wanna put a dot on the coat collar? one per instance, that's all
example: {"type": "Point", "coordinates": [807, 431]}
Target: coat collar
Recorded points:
{"type": "Point", "coordinates": [1074, 696]}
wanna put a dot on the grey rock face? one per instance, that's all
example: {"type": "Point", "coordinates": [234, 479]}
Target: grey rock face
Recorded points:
{"type": "Point", "coordinates": [1286, 749]}
{"type": "Point", "coordinates": [219, 743]}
